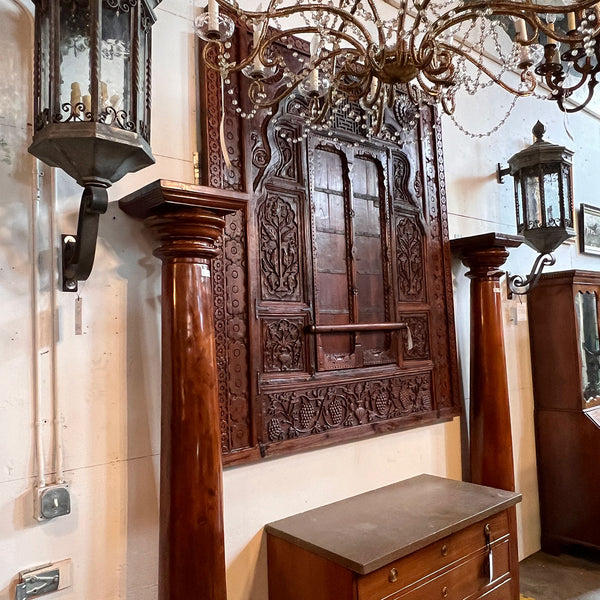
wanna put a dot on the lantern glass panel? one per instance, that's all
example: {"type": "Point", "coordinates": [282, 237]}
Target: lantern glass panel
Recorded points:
{"type": "Point", "coordinates": [115, 66]}
{"type": "Point", "coordinates": [518, 203]}
{"type": "Point", "coordinates": [533, 198]}
{"type": "Point", "coordinates": [567, 200]}
{"type": "Point", "coordinates": [74, 49]}
{"type": "Point", "coordinates": [43, 63]}
{"type": "Point", "coordinates": [552, 196]}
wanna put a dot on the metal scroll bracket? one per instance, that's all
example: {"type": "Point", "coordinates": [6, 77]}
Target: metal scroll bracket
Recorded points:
{"type": "Point", "coordinates": [518, 284]}
{"type": "Point", "coordinates": [78, 251]}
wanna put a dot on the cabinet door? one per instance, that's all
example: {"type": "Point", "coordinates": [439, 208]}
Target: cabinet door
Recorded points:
{"type": "Point", "coordinates": [586, 309]}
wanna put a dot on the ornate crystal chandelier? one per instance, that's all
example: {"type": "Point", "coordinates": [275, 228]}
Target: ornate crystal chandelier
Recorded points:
{"type": "Point", "coordinates": [365, 52]}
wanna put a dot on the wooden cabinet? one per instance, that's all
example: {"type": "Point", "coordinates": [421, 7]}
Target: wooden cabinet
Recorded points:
{"type": "Point", "coordinates": [420, 539]}
{"type": "Point", "coordinates": [565, 356]}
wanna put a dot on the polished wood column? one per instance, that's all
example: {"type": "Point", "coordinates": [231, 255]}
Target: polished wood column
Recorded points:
{"type": "Point", "coordinates": [490, 444]}
{"type": "Point", "coordinates": [187, 221]}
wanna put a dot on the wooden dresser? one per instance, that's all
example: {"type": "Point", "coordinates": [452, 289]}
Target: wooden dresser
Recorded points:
{"type": "Point", "coordinates": [421, 539]}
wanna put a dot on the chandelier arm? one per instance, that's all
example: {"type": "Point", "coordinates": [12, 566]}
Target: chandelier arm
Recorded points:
{"type": "Point", "coordinates": [562, 97]}
{"type": "Point", "coordinates": [375, 12]}
{"type": "Point", "coordinates": [512, 9]}
{"type": "Point", "coordinates": [488, 73]}
{"type": "Point", "coordinates": [429, 90]}
{"type": "Point", "coordinates": [370, 99]}
{"type": "Point", "coordinates": [519, 9]}
{"type": "Point", "coordinates": [287, 11]}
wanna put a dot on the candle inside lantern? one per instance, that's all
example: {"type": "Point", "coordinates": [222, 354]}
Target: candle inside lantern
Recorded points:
{"type": "Point", "coordinates": [75, 93]}
{"type": "Point", "coordinates": [103, 93]}
{"type": "Point", "coordinates": [87, 103]}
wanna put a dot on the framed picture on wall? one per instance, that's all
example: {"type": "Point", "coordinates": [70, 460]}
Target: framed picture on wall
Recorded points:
{"type": "Point", "coordinates": [589, 229]}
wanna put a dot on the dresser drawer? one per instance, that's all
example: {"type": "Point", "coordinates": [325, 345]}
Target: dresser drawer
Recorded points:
{"type": "Point", "coordinates": [465, 580]}
{"type": "Point", "coordinates": [430, 560]}
{"type": "Point", "coordinates": [501, 592]}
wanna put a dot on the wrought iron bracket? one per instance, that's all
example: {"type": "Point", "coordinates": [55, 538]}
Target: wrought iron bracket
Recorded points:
{"type": "Point", "coordinates": [501, 172]}
{"type": "Point", "coordinates": [518, 284]}
{"type": "Point", "coordinates": [78, 251]}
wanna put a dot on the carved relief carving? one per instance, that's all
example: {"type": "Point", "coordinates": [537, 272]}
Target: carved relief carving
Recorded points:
{"type": "Point", "coordinates": [288, 165]}
{"type": "Point", "coordinates": [279, 251]}
{"type": "Point", "coordinates": [293, 414]}
{"type": "Point", "coordinates": [419, 331]}
{"type": "Point", "coordinates": [282, 340]}
{"type": "Point", "coordinates": [231, 329]}
{"type": "Point", "coordinates": [409, 258]}
{"type": "Point", "coordinates": [401, 171]}
{"type": "Point", "coordinates": [284, 400]}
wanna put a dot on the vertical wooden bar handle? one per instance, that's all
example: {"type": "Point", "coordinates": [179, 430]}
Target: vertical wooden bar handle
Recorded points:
{"type": "Point", "coordinates": [188, 220]}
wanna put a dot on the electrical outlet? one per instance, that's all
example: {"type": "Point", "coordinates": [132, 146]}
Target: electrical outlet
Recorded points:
{"type": "Point", "coordinates": [44, 579]}
{"type": "Point", "coordinates": [51, 501]}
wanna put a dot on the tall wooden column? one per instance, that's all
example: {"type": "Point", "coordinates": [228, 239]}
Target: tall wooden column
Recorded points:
{"type": "Point", "coordinates": [187, 221]}
{"type": "Point", "coordinates": [489, 424]}
{"type": "Point", "coordinates": [490, 446]}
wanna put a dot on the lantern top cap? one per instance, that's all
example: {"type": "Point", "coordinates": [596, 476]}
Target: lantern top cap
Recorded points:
{"type": "Point", "coordinates": [540, 152]}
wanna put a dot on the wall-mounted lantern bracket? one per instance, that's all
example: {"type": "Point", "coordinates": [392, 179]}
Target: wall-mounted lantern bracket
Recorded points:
{"type": "Point", "coordinates": [78, 251]}
{"type": "Point", "coordinates": [518, 284]}
{"type": "Point", "coordinates": [501, 172]}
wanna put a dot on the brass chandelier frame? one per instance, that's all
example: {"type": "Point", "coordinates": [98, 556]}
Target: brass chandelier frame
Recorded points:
{"type": "Point", "coordinates": [358, 56]}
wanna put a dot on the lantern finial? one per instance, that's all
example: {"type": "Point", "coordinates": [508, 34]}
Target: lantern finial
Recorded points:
{"type": "Point", "coordinates": [538, 132]}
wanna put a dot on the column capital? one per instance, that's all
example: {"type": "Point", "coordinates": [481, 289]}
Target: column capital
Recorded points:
{"type": "Point", "coordinates": [484, 254]}
{"type": "Point", "coordinates": [187, 219]}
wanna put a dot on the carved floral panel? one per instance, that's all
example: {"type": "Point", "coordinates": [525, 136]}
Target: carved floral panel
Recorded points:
{"type": "Point", "coordinates": [278, 249]}
{"type": "Point", "coordinates": [410, 260]}
{"type": "Point", "coordinates": [283, 343]}
{"type": "Point", "coordinates": [298, 413]}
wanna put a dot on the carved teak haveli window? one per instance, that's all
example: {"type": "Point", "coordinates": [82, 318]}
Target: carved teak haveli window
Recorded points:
{"type": "Point", "coordinates": [333, 297]}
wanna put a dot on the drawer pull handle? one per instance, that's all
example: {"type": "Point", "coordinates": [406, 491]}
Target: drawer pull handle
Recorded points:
{"type": "Point", "coordinates": [444, 550]}
{"type": "Point", "coordinates": [488, 565]}
{"type": "Point", "coordinates": [444, 592]}
{"type": "Point", "coordinates": [393, 575]}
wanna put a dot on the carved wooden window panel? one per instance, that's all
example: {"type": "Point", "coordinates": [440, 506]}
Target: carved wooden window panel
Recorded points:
{"type": "Point", "coordinates": [349, 233]}
{"type": "Point", "coordinates": [278, 392]}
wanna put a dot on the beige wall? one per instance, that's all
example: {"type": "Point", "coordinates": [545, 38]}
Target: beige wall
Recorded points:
{"type": "Point", "coordinates": [108, 378]}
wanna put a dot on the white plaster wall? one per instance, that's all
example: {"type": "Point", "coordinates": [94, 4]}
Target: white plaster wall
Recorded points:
{"type": "Point", "coordinates": [108, 378]}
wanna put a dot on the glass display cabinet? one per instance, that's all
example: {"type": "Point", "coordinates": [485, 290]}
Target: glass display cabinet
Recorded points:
{"type": "Point", "coordinates": [565, 356]}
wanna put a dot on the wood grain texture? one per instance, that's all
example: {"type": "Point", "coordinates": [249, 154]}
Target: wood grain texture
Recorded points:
{"type": "Point", "coordinates": [187, 221]}
{"type": "Point", "coordinates": [490, 443]}
{"type": "Point", "coordinates": [345, 232]}
{"type": "Point", "coordinates": [368, 531]}
{"type": "Point", "coordinates": [567, 422]}
{"type": "Point", "coordinates": [335, 545]}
